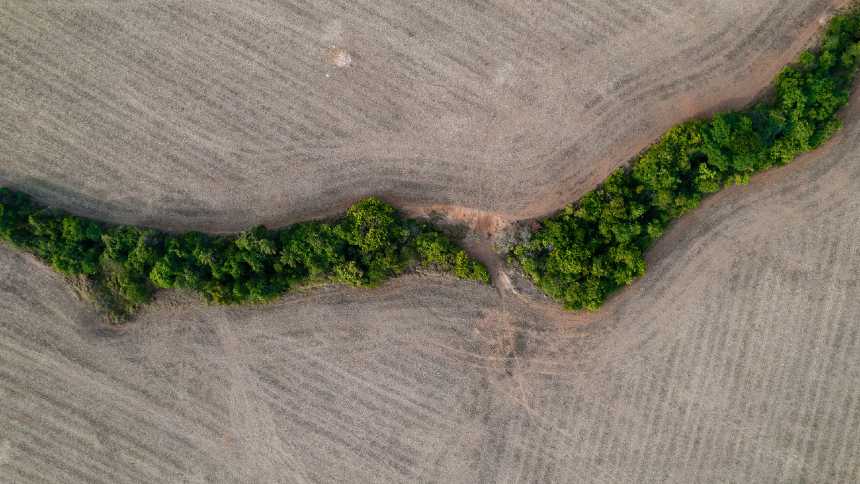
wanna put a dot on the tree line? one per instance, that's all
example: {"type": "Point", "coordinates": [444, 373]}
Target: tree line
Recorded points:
{"type": "Point", "coordinates": [125, 264]}
{"type": "Point", "coordinates": [596, 245]}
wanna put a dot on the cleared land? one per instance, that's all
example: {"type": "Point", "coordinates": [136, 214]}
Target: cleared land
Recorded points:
{"type": "Point", "coordinates": [736, 358]}
{"type": "Point", "coordinates": [220, 115]}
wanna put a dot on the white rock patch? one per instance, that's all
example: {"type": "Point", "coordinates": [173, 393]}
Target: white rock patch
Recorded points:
{"type": "Point", "coordinates": [338, 57]}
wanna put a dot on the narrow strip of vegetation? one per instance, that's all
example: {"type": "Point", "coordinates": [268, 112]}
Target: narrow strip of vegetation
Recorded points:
{"type": "Point", "coordinates": [595, 246]}
{"type": "Point", "coordinates": [125, 265]}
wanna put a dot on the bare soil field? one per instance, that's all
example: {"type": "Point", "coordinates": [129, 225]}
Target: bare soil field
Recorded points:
{"type": "Point", "coordinates": [736, 359]}
{"type": "Point", "coordinates": [222, 115]}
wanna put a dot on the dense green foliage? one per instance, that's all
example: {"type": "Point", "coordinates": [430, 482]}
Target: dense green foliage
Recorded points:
{"type": "Point", "coordinates": [596, 246]}
{"type": "Point", "coordinates": [126, 264]}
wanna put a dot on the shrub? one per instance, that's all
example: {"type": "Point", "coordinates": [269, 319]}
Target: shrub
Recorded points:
{"type": "Point", "coordinates": [126, 264]}
{"type": "Point", "coordinates": [467, 268]}
{"type": "Point", "coordinates": [597, 245]}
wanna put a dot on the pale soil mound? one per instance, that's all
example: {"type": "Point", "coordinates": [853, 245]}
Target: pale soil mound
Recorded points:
{"type": "Point", "coordinates": [736, 359]}
{"type": "Point", "coordinates": [222, 115]}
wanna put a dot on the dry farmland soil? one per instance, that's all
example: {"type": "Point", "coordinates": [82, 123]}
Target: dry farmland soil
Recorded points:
{"type": "Point", "coordinates": [578, 257]}
{"type": "Point", "coordinates": [218, 116]}
{"type": "Point", "coordinates": [736, 358]}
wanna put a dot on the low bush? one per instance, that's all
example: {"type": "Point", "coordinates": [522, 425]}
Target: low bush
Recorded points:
{"type": "Point", "coordinates": [435, 250]}
{"type": "Point", "coordinates": [371, 243]}
{"type": "Point", "coordinates": [597, 245]}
